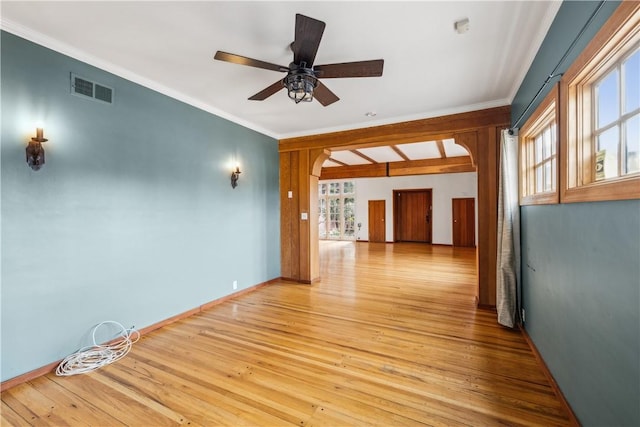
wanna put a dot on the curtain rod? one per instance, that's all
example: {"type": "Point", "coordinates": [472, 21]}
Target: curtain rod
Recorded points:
{"type": "Point", "coordinates": [553, 73]}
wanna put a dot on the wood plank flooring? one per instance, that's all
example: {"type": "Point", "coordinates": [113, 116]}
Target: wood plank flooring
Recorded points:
{"type": "Point", "coordinates": [389, 337]}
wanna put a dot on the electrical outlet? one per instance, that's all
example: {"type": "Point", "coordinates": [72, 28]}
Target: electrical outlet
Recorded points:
{"type": "Point", "coordinates": [523, 315]}
{"type": "Point", "coordinates": [235, 285]}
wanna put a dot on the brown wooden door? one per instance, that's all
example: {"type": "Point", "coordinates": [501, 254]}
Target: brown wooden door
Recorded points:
{"type": "Point", "coordinates": [377, 226]}
{"type": "Point", "coordinates": [412, 219]}
{"type": "Point", "coordinates": [464, 222]}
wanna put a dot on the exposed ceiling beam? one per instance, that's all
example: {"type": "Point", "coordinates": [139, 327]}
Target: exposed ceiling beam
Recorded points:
{"type": "Point", "coordinates": [356, 171]}
{"type": "Point", "coordinates": [440, 145]}
{"type": "Point", "coordinates": [432, 166]}
{"type": "Point", "coordinates": [400, 153]}
{"type": "Point", "coordinates": [369, 159]}
{"type": "Point", "coordinates": [338, 162]}
{"type": "Point", "coordinates": [412, 167]}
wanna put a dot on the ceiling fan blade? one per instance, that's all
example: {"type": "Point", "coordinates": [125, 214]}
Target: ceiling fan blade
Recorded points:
{"type": "Point", "coordinates": [265, 93]}
{"type": "Point", "coordinates": [308, 35]}
{"type": "Point", "coordinates": [243, 60]}
{"type": "Point", "coordinates": [324, 95]}
{"type": "Point", "coordinates": [371, 68]}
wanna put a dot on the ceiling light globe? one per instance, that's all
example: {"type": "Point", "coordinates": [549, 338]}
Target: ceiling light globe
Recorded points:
{"type": "Point", "coordinates": [300, 87]}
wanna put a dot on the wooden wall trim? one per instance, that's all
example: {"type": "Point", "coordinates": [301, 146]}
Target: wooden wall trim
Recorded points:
{"type": "Point", "coordinates": [299, 172]}
{"type": "Point", "coordinates": [573, 419]}
{"type": "Point", "coordinates": [432, 166]}
{"type": "Point", "coordinates": [302, 242]}
{"type": "Point", "coordinates": [44, 370]}
{"type": "Point", "coordinates": [31, 375]}
{"type": "Point", "coordinates": [484, 145]}
{"type": "Point", "coordinates": [355, 171]}
{"type": "Point", "coordinates": [318, 157]}
{"type": "Point", "coordinates": [288, 213]}
{"type": "Point", "coordinates": [404, 168]}
{"type": "Point", "coordinates": [433, 128]}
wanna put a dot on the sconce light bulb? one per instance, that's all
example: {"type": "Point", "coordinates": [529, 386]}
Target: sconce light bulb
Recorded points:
{"type": "Point", "coordinates": [39, 136]}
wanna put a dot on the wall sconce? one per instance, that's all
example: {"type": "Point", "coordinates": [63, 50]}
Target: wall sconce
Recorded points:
{"type": "Point", "coordinates": [234, 177]}
{"type": "Point", "coordinates": [35, 152]}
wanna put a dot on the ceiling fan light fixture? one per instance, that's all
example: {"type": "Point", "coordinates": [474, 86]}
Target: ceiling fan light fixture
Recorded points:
{"type": "Point", "coordinates": [303, 78]}
{"type": "Point", "coordinates": [300, 86]}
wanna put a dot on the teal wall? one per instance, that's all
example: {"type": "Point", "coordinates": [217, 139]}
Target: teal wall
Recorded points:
{"type": "Point", "coordinates": [581, 270]}
{"type": "Point", "coordinates": [132, 218]}
{"type": "Point", "coordinates": [569, 20]}
{"type": "Point", "coordinates": [581, 294]}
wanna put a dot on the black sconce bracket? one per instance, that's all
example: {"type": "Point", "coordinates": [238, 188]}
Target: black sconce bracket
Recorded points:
{"type": "Point", "coordinates": [35, 151]}
{"type": "Point", "coordinates": [234, 177]}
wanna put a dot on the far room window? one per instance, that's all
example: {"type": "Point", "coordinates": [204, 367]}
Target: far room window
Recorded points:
{"type": "Point", "coordinates": [337, 210]}
{"type": "Point", "coordinates": [600, 94]}
{"type": "Point", "coordinates": [538, 154]}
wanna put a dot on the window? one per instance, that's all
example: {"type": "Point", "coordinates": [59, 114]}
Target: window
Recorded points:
{"type": "Point", "coordinates": [617, 119]}
{"type": "Point", "coordinates": [601, 94]}
{"type": "Point", "coordinates": [337, 210]}
{"type": "Point", "coordinates": [538, 154]}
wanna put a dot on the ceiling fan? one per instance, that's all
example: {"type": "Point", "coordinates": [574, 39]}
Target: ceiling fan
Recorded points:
{"type": "Point", "coordinates": [302, 79]}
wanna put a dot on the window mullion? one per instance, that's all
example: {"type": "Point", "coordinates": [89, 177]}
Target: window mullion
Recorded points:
{"type": "Point", "coordinates": [603, 129]}
{"type": "Point", "coordinates": [621, 148]}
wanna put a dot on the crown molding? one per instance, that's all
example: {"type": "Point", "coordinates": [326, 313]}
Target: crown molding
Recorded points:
{"type": "Point", "coordinates": [536, 43]}
{"type": "Point", "coordinates": [80, 55]}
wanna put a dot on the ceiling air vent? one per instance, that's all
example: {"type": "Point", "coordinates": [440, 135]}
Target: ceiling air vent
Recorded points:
{"type": "Point", "coordinates": [88, 89]}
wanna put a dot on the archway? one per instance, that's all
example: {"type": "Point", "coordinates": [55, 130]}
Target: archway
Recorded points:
{"type": "Point", "coordinates": [300, 165]}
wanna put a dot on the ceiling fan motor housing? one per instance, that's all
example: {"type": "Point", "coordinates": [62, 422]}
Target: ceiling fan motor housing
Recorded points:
{"type": "Point", "coordinates": [300, 83]}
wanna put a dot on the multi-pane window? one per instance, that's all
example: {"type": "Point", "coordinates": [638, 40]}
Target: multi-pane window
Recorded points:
{"type": "Point", "coordinates": [348, 217]}
{"type": "Point", "coordinates": [336, 210]}
{"type": "Point", "coordinates": [333, 225]}
{"type": "Point", "coordinates": [538, 154]}
{"type": "Point", "coordinates": [616, 124]}
{"type": "Point", "coordinates": [600, 120]}
{"type": "Point", "coordinates": [544, 165]}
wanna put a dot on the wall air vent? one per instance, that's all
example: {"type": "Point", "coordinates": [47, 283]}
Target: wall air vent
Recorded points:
{"type": "Point", "coordinates": [87, 89]}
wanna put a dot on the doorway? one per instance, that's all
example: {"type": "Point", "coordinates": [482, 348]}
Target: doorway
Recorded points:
{"type": "Point", "coordinates": [464, 222]}
{"type": "Point", "coordinates": [377, 224]}
{"type": "Point", "coordinates": [412, 215]}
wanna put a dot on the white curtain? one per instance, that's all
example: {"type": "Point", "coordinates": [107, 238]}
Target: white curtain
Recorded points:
{"type": "Point", "coordinates": [508, 266]}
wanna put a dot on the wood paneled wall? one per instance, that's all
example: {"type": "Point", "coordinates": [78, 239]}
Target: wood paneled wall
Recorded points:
{"type": "Point", "coordinates": [483, 147]}
{"type": "Point", "coordinates": [301, 165]}
{"type": "Point", "coordinates": [299, 172]}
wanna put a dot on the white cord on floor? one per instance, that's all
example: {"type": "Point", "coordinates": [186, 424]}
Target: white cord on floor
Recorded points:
{"type": "Point", "coordinates": [90, 358]}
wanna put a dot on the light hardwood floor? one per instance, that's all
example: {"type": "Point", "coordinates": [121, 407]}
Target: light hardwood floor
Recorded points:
{"type": "Point", "coordinates": [389, 337]}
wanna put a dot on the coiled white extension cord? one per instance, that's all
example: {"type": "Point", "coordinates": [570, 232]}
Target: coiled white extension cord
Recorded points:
{"type": "Point", "coordinates": [90, 358]}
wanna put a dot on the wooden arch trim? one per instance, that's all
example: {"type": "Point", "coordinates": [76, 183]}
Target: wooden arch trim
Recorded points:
{"type": "Point", "coordinates": [300, 164]}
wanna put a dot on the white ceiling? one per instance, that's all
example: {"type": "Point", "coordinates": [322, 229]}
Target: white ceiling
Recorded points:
{"type": "Point", "coordinates": [429, 70]}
